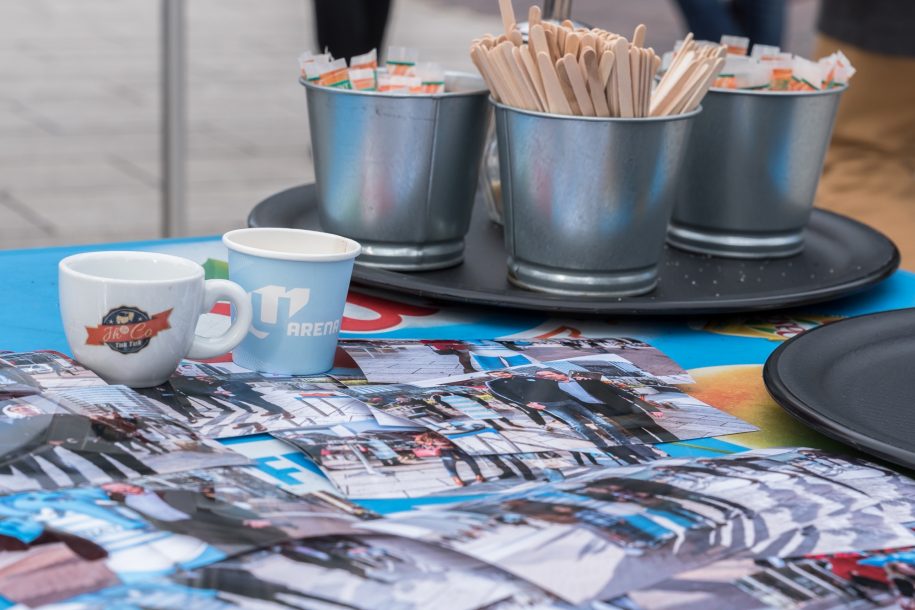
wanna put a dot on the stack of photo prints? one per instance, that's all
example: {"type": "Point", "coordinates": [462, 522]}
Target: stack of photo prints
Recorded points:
{"type": "Point", "coordinates": [454, 475]}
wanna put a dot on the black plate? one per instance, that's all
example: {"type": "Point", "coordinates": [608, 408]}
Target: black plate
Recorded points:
{"type": "Point", "coordinates": [853, 380]}
{"type": "Point", "coordinates": [841, 256]}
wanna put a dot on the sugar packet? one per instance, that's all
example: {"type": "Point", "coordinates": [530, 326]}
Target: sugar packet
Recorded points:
{"type": "Point", "coordinates": [362, 79]}
{"type": "Point", "coordinates": [432, 78]}
{"type": "Point", "coordinates": [330, 74]}
{"type": "Point", "coordinates": [366, 61]}
{"type": "Point", "coordinates": [307, 58]}
{"type": "Point", "coordinates": [736, 45]}
{"type": "Point", "coordinates": [401, 61]}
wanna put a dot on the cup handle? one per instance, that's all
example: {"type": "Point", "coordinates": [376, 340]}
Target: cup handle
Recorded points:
{"type": "Point", "coordinates": [223, 290]}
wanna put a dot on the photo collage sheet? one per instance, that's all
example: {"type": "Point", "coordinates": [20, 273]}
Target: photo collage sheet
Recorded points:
{"type": "Point", "coordinates": [524, 474]}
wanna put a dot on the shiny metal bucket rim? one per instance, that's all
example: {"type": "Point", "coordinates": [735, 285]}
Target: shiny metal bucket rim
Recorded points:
{"type": "Point", "coordinates": [413, 96]}
{"type": "Point", "coordinates": [785, 94]}
{"type": "Point", "coordinates": [598, 119]}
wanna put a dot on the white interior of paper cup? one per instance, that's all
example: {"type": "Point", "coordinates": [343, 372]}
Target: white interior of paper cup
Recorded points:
{"type": "Point", "coordinates": [292, 244]}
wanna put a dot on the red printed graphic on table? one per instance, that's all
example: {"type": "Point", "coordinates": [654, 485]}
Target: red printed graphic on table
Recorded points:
{"type": "Point", "coordinates": [376, 314]}
{"type": "Point", "coordinates": [127, 329]}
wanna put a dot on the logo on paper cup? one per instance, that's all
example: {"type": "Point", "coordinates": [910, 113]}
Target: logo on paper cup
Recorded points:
{"type": "Point", "coordinates": [127, 329]}
{"type": "Point", "coordinates": [269, 313]}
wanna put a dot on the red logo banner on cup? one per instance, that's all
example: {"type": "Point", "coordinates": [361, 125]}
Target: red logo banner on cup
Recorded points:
{"type": "Point", "coordinates": [137, 331]}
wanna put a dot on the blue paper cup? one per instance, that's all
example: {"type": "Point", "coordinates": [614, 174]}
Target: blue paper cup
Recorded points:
{"type": "Point", "coordinates": [298, 282]}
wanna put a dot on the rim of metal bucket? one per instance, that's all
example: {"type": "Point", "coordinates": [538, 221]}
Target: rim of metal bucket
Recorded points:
{"type": "Point", "coordinates": [785, 94]}
{"type": "Point", "coordinates": [394, 95]}
{"type": "Point", "coordinates": [599, 119]}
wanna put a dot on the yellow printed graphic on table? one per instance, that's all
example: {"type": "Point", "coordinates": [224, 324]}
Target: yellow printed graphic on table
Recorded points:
{"type": "Point", "coordinates": [739, 390]}
{"type": "Point", "coordinates": [773, 328]}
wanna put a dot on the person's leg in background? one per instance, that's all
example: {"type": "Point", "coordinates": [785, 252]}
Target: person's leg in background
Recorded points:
{"type": "Point", "coordinates": [762, 21]}
{"type": "Point", "coordinates": [709, 19]}
{"type": "Point", "coordinates": [869, 172]}
{"type": "Point", "coordinates": [377, 12]}
{"type": "Point", "coordinates": [351, 27]}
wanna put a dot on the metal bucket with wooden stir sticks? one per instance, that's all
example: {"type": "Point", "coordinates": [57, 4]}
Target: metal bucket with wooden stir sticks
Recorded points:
{"type": "Point", "coordinates": [588, 199]}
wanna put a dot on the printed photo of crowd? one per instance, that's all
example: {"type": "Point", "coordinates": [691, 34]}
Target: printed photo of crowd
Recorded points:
{"type": "Point", "coordinates": [587, 403]}
{"type": "Point", "coordinates": [405, 361]}
{"type": "Point", "coordinates": [535, 474]}
{"type": "Point", "coordinates": [365, 460]}
{"type": "Point", "coordinates": [591, 537]}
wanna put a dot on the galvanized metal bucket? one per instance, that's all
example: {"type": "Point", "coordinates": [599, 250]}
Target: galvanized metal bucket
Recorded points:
{"type": "Point", "coordinates": [751, 173]}
{"type": "Point", "coordinates": [398, 172]}
{"type": "Point", "coordinates": [587, 200]}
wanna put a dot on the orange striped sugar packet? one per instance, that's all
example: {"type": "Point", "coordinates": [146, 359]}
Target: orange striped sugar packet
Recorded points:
{"type": "Point", "coordinates": [398, 83]}
{"type": "Point", "coordinates": [763, 51]}
{"type": "Point", "coordinates": [366, 61]}
{"type": "Point", "coordinates": [806, 75]}
{"type": "Point", "coordinates": [432, 78]}
{"type": "Point", "coordinates": [781, 70]}
{"type": "Point", "coordinates": [362, 79]}
{"type": "Point", "coordinates": [753, 76]}
{"type": "Point", "coordinates": [334, 74]}
{"type": "Point", "coordinates": [307, 58]}
{"type": "Point", "coordinates": [733, 65]}
{"type": "Point", "coordinates": [401, 61]}
{"type": "Point", "coordinates": [385, 82]}
{"type": "Point", "coordinates": [837, 70]}
{"type": "Point", "coordinates": [736, 45]}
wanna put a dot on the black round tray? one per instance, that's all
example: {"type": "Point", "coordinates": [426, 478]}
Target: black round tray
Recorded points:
{"type": "Point", "coordinates": [841, 256]}
{"type": "Point", "coordinates": [853, 381]}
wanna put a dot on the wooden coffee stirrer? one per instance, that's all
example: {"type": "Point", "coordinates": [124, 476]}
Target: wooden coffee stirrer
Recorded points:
{"type": "Point", "coordinates": [504, 74]}
{"type": "Point", "coordinates": [648, 72]}
{"type": "Point", "coordinates": [577, 83]}
{"type": "Point", "coordinates": [519, 57]}
{"type": "Point", "coordinates": [516, 38]}
{"type": "Point", "coordinates": [576, 71]}
{"type": "Point", "coordinates": [635, 76]}
{"type": "Point", "coordinates": [554, 94]}
{"type": "Point", "coordinates": [572, 44]}
{"type": "Point", "coordinates": [605, 67]}
{"type": "Point", "coordinates": [675, 73]}
{"type": "Point", "coordinates": [561, 33]}
{"type": "Point", "coordinates": [588, 62]}
{"type": "Point", "coordinates": [479, 59]}
{"type": "Point", "coordinates": [525, 55]}
{"type": "Point", "coordinates": [638, 36]}
{"type": "Point", "coordinates": [537, 40]}
{"type": "Point", "coordinates": [690, 104]}
{"type": "Point", "coordinates": [623, 78]}
{"type": "Point", "coordinates": [508, 16]}
{"type": "Point", "coordinates": [533, 16]}
{"type": "Point", "coordinates": [566, 85]}
{"type": "Point", "coordinates": [693, 73]}
{"type": "Point", "coordinates": [517, 79]}
{"type": "Point", "coordinates": [551, 39]}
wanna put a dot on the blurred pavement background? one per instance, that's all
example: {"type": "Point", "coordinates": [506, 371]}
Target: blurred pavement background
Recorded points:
{"type": "Point", "coordinates": [79, 103]}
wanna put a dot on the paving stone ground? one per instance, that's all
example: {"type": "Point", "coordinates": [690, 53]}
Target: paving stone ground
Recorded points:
{"type": "Point", "coordinates": [79, 104]}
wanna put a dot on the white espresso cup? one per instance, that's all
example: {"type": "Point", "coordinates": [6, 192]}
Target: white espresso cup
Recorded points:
{"type": "Point", "coordinates": [131, 316]}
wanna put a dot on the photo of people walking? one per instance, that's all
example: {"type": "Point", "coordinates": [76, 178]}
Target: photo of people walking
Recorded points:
{"type": "Point", "coordinates": [365, 460]}
{"type": "Point", "coordinates": [50, 442]}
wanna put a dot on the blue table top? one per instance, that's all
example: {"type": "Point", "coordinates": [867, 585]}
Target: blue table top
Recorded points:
{"type": "Point", "coordinates": [31, 319]}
